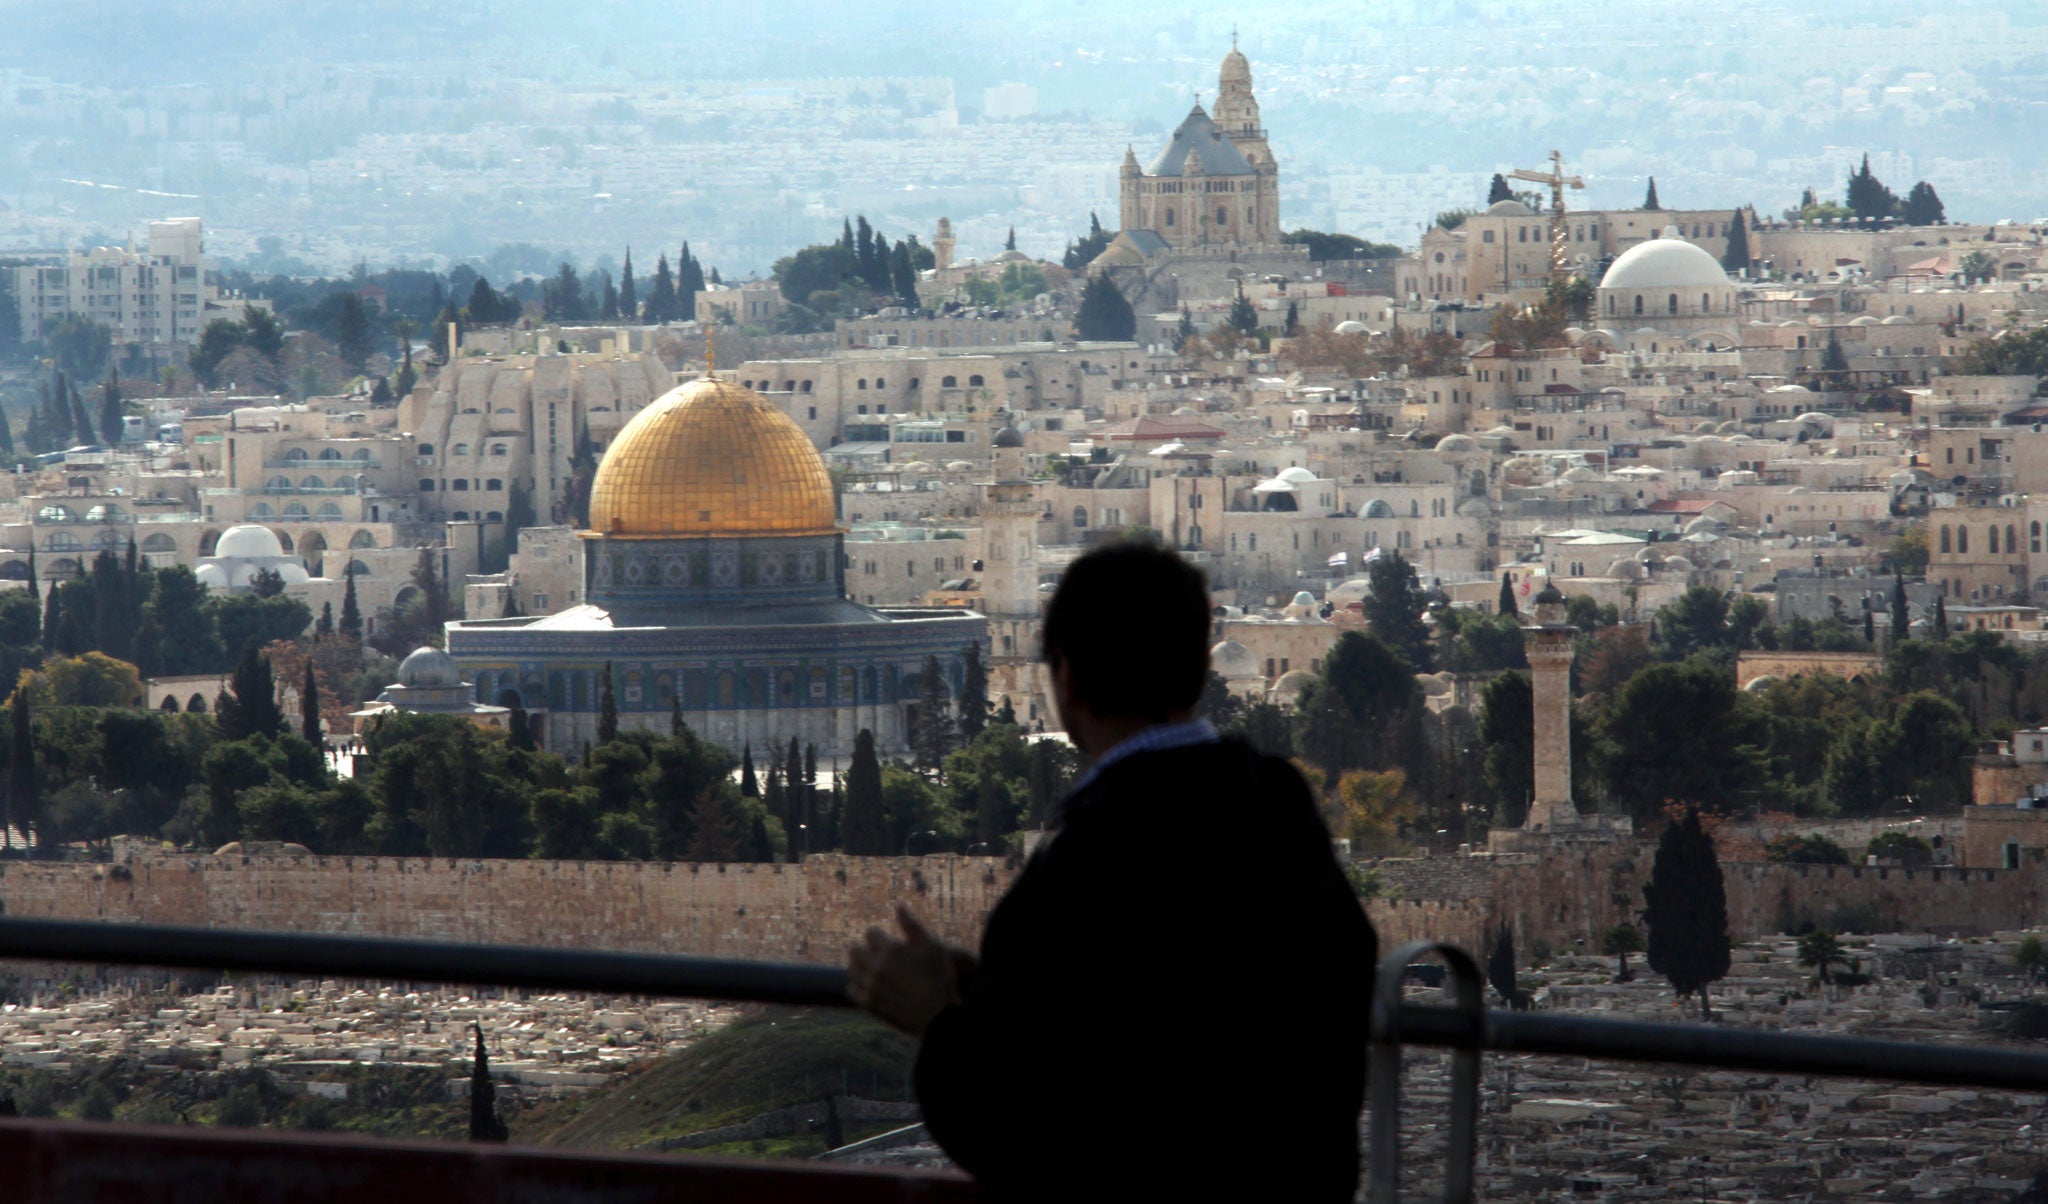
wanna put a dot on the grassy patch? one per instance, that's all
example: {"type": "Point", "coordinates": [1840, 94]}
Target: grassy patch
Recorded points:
{"type": "Point", "coordinates": [772, 1058]}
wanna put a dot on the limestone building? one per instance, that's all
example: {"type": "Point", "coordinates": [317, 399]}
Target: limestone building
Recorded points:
{"type": "Point", "coordinates": [715, 576]}
{"type": "Point", "coordinates": [1009, 579]}
{"type": "Point", "coordinates": [1216, 182]}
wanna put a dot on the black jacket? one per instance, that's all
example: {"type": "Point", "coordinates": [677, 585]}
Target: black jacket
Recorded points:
{"type": "Point", "coordinates": [1171, 1001]}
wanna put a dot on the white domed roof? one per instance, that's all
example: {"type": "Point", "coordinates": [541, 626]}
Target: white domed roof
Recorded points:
{"type": "Point", "coordinates": [1897, 320]}
{"type": "Point", "coordinates": [1865, 320]}
{"type": "Point", "coordinates": [1456, 443]}
{"type": "Point", "coordinates": [1667, 262]}
{"type": "Point", "coordinates": [1297, 474]}
{"type": "Point", "coordinates": [294, 573]}
{"type": "Point", "coordinates": [1304, 598]}
{"type": "Point", "coordinates": [1790, 391]}
{"type": "Point", "coordinates": [212, 576]}
{"type": "Point", "coordinates": [428, 667]}
{"type": "Point", "coordinates": [1292, 683]}
{"type": "Point", "coordinates": [1815, 416]}
{"type": "Point", "coordinates": [248, 540]}
{"type": "Point", "coordinates": [1231, 660]}
{"type": "Point", "coordinates": [1350, 327]}
{"type": "Point", "coordinates": [1509, 209]}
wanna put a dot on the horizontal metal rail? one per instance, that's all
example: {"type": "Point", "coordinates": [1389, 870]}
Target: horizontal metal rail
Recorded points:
{"type": "Point", "coordinates": [1992, 1066]}
{"type": "Point", "coordinates": [730, 979]}
{"type": "Point", "coordinates": [321, 955]}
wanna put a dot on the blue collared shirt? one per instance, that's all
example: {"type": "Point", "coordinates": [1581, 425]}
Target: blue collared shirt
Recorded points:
{"type": "Point", "coordinates": [1152, 739]}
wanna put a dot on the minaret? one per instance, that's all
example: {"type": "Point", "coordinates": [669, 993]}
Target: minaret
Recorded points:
{"type": "Point", "coordinates": [1548, 643]}
{"type": "Point", "coordinates": [942, 245]}
{"type": "Point", "coordinates": [1009, 578]}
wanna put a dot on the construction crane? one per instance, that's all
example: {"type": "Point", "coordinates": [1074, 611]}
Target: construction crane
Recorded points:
{"type": "Point", "coordinates": [1560, 232]}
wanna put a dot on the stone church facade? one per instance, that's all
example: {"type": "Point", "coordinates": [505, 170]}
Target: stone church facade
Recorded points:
{"type": "Point", "coordinates": [1216, 183]}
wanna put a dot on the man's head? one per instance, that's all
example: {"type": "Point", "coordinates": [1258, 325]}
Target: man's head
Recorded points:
{"type": "Point", "coordinates": [1127, 636]}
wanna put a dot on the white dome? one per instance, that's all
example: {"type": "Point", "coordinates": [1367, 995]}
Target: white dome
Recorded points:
{"type": "Point", "coordinates": [1897, 320]}
{"type": "Point", "coordinates": [1790, 391]}
{"type": "Point", "coordinates": [1668, 262]}
{"type": "Point", "coordinates": [248, 540]}
{"type": "Point", "coordinates": [1509, 209]}
{"type": "Point", "coordinates": [212, 576]}
{"type": "Point", "coordinates": [1456, 443]}
{"type": "Point", "coordinates": [294, 573]}
{"type": "Point", "coordinates": [1304, 598]}
{"type": "Point", "coordinates": [430, 668]}
{"type": "Point", "coordinates": [1350, 327]}
{"type": "Point", "coordinates": [1292, 683]}
{"type": "Point", "coordinates": [1297, 474]}
{"type": "Point", "coordinates": [1232, 660]}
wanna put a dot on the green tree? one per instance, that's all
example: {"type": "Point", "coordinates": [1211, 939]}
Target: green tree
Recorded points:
{"type": "Point", "coordinates": [864, 831]}
{"type": "Point", "coordinates": [484, 1123]}
{"type": "Point", "coordinates": [1650, 197]}
{"type": "Point", "coordinates": [261, 332]}
{"type": "Point", "coordinates": [1355, 713]}
{"type": "Point", "coordinates": [92, 680]}
{"type": "Point", "coordinates": [1867, 197]}
{"type": "Point", "coordinates": [1104, 316]}
{"type": "Point", "coordinates": [309, 709]}
{"type": "Point", "coordinates": [1618, 942]}
{"type": "Point", "coordinates": [1687, 910]}
{"type": "Point", "coordinates": [111, 411]}
{"type": "Point", "coordinates": [2031, 956]}
{"type": "Point", "coordinates": [1242, 318]}
{"type": "Point", "coordinates": [562, 297]}
{"type": "Point", "coordinates": [1911, 852]}
{"type": "Point", "coordinates": [1499, 190]}
{"type": "Point", "coordinates": [972, 700]}
{"type": "Point", "coordinates": [1393, 605]}
{"type": "Point", "coordinates": [24, 801]}
{"type": "Point", "coordinates": [1737, 257]}
{"type": "Point", "coordinates": [352, 339]}
{"type": "Point", "coordinates": [1324, 247]}
{"type": "Point", "coordinates": [1820, 950]}
{"type": "Point", "coordinates": [1923, 207]}
{"type": "Point", "coordinates": [607, 708]}
{"type": "Point", "coordinates": [351, 624]}
{"type": "Point", "coordinates": [932, 732]}
{"type": "Point", "coordinates": [79, 346]}
{"type": "Point", "coordinates": [1809, 849]}
{"type": "Point", "coordinates": [1833, 360]}
{"type": "Point", "coordinates": [1978, 267]}
{"type": "Point", "coordinates": [629, 291]}
{"type": "Point", "coordinates": [1507, 604]}
{"type": "Point", "coordinates": [1507, 731]}
{"type": "Point", "coordinates": [248, 707]}
{"type": "Point", "coordinates": [1082, 252]}
{"type": "Point", "coordinates": [1500, 965]}
{"type": "Point", "coordinates": [1674, 733]}
{"type": "Point", "coordinates": [1697, 622]}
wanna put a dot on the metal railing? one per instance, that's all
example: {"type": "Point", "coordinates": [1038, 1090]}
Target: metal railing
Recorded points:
{"type": "Point", "coordinates": [1467, 1027]}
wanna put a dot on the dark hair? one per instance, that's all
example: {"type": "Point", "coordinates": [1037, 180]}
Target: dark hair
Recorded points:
{"type": "Point", "coordinates": [1131, 621]}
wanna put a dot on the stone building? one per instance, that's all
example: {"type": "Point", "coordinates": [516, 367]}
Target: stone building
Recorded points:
{"type": "Point", "coordinates": [714, 569]}
{"type": "Point", "coordinates": [1216, 182]}
{"type": "Point", "coordinates": [430, 683]}
{"type": "Point", "coordinates": [1009, 580]}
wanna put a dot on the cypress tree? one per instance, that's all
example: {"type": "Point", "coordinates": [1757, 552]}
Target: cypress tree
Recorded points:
{"type": "Point", "coordinates": [607, 708]}
{"type": "Point", "coordinates": [1242, 317]}
{"type": "Point", "coordinates": [775, 796]}
{"type": "Point", "coordinates": [1902, 621]}
{"type": "Point", "coordinates": [309, 709]}
{"type": "Point", "coordinates": [1650, 197]}
{"type": "Point", "coordinates": [53, 618]}
{"type": "Point", "coordinates": [1500, 964]}
{"type": "Point", "coordinates": [24, 802]}
{"type": "Point", "coordinates": [80, 424]}
{"type": "Point", "coordinates": [1869, 627]}
{"type": "Point", "coordinates": [521, 734]}
{"type": "Point", "coordinates": [351, 614]}
{"type": "Point", "coordinates": [35, 580]}
{"type": "Point", "coordinates": [1507, 596]}
{"type": "Point", "coordinates": [1687, 910]}
{"type": "Point", "coordinates": [248, 707]}
{"type": "Point", "coordinates": [1940, 617]}
{"type": "Point", "coordinates": [1736, 258]}
{"type": "Point", "coordinates": [324, 625]}
{"type": "Point", "coordinates": [676, 726]}
{"type": "Point", "coordinates": [796, 800]}
{"type": "Point", "coordinates": [59, 422]}
{"type": "Point", "coordinates": [113, 620]}
{"type": "Point", "coordinates": [1010, 243]}
{"type": "Point", "coordinates": [629, 292]}
{"type": "Point", "coordinates": [110, 408]}
{"type": "Point", "coordinates": [863, 830]}
{"type": "Point", "coordinates": [750, 786]}
{"type": "Point", "coordinates": [813, 829]}
{"type": "Point", "coordinates": [763, 847]}
{"type": "Point", "coordinates": [972, 700]}
{"type": "Point", "coordinates": [932, 736]}
{"type": "Point", "coordinates": [6, 435]}
{"type": "Point", "coordinates": [903, 277]}
{"type": "Point", "coordinates": [484, 1123]}
{"type": "Point", "coordinates": [1104, 314]}
{"type": "Point", "coordinates": [608, 298]}
{"type": "Point", "coordinates": [661, 295]}
{"type": "Point", "coordinates": [689, 282]}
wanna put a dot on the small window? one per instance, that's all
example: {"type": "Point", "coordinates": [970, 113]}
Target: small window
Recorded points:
{"type": "Point", "coordinates": [426, 487]}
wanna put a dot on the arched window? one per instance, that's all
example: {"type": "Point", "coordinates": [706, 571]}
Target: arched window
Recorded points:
{"type": "Point", "coordinates": [1222, 216]}
{"type": "Point", "coordinates": [949, 382]}
{"type": "Point", "coordinates": [2011, 545]}
{"type": "Point", "coordinates": [460, 485]}
{"type": "Point", "coordinates": [312, 481]}
{"type": "Point", "coordinates": [426, 486]}
{"type": "Point", "coordinates": [881, 382]}
{"type": "Point", "coordinates": [1674, 303]}
{"type": "Point", "coordinates": [62, 541]}
{"type": "Point", "coordinates": [1962, 541]}
{"type": "Point", "coordinates": [1991, 539]}
{"type": "Point", "coordinates": [329, 510]}
{"type": "Point", "coordinates": [498, 449]}
{"type": "Point", "coordinates": [328, 453]}
{"type": "Point", "coordinates": [1639, 303]}
{"type": "Point", "coordinates": [426, 449]}
{"type": "Point", "coordinates": [862, 383]}
{"type": "Point", "coordinates": [1169, 217]}
{"type": "Point", "coordinates": [363, 539]}
{"type": "Point", "coordinates": [1945, 548]}
{"type": "Point", "coordinates": [262, 510]}
{"type": "Point", "coordinates": [494, 484]}
{"type": "Point", "coordinates": [974, 382]}
{"type": "Point", "coordinates": [1486, 236]}
{"type": "Point", "coordinates": [362, 454]}
{"type": "Point", "coordinates": [296, 454]}
{"type": "Point", "coordinates": [2034, 536]}
{"type": "Point", "coordinates": [164, 543]}
{"type": "Point", "coordinates": [295, 510]}
{"type": "Point", "coordinates": [460, 449]}
{"type": "Point", "coordinates": [1706, 303]}
{"type": "Point", "coordinates": [280, 483]}
{"type": "Point", "coordinates": [1080, 516]}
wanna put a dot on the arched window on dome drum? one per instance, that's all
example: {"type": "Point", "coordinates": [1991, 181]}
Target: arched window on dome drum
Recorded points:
{"type": "Point", "coordinates": [665, 689]}
{"type": "Point", "coordinates": [693, 688]}
{"type": "Point", "coordinates": [821, 687]}
{"type": "Point", "coordinates": [1706, 304]}
{"type": "Point", "coordinates": [636, 690]}
{"type": "Point", "coordinates": [1673, 303]}
{"type": "Point", "coordinates": [757, 688]}
{"type": "Point", "coordinates": [1610, 303]}
{"type": "Point", "coordinates": [849, 686]}
{"type": "Point", "coordinates": [1639, 304]}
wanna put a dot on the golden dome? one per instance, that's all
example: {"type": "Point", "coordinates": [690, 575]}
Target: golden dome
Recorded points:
{"type": "Point", "coordinates": [710, 459]}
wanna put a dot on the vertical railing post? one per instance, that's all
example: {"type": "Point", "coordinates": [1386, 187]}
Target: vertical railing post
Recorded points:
{"type": "Point", "coordinates": [1383, 1090]}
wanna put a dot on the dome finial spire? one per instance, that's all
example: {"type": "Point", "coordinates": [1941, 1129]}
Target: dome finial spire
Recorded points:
{"type": "Point", "coordinates": [711, 349]}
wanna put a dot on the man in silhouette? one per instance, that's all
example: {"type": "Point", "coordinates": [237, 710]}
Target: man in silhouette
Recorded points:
{"type": "Point", "coordinates": [1171, 1001]}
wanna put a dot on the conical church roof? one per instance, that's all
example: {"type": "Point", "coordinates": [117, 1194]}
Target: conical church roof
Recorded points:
{"type": "Point", "coordinates": [1199, 135]}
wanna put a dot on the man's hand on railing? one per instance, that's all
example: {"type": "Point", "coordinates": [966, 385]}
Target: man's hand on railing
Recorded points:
{"type": "Point", "coordinates": [906, 982]}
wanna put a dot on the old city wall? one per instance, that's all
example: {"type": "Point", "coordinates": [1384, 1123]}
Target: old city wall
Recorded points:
{"type": "Point", "coordinates": [807, 912]}
{"type": "Point", "coordinates": [1561, 896]}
